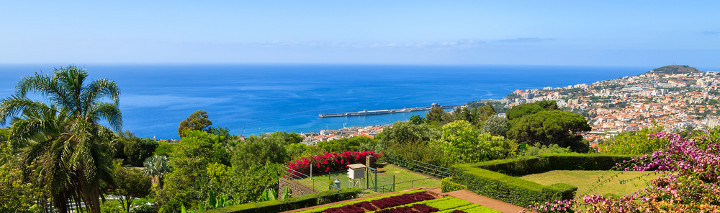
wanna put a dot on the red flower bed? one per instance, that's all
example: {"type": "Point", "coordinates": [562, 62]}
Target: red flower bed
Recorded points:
{"type": "Point", "coordinates": [388, 202]}
{"type": "Point", "coordinates": [417, 208]}
{"type": "Point", "coordinates": [402, 200]}
{"type": "Point", "coordinates": [329, 162]}
{"type": "Point", "coordinates": [353, 208]}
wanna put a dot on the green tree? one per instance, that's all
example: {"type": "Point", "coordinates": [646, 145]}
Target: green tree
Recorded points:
{"type": "Point", "coordinates": [134, 150]}
{"type": "Point", "coordinates": [66, 149]}
{"type": "Point", "coordinates": [496, 126]}
{"type": "Point", "coordinates": [523, 110]}
{"type": "Point", "coordinates": [259, 151]}
{"type": "Point", "coordinates": [435, 115]}
{"type": "Point", "coordinates": [189, 182]}
{"type": "Point", "coordinates": [157, 166]}
{"type": "Point", "coordinates": [417, 119]}
{"type": "Point", "coordinates": [404, 132]}
{"type": "Point", "coordinates": [551, 127]}
{"type": "Point", "coordinates": [288, 138]}
{"type": "Point", "coordinates": [129, 184]}
{"type": "Point", "coordinates": [198, 120]}
{"type": "Point", "coordinates": [634, 142]}
{"type": "Point", "coordinates": [463, 144]}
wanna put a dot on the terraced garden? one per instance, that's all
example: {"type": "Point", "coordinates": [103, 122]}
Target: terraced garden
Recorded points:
{"type": "Point", "coordinates": [410, 201]}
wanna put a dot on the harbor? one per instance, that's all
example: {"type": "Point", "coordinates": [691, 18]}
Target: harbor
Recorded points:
{"type": "Point", "coordinates": [386, 111]}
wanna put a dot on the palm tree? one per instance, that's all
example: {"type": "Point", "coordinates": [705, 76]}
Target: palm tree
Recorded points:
{"type": "Point", "coordinates": [65, 147]}
{"type": "Point", "coordinates": [157, 166]}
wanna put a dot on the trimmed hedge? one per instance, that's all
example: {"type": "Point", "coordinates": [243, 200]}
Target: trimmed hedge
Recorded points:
{"type": "Point", "coordinates": [447, 185]}
{"type": "Point", "coordinates": [548, 162]}
{"type": "Point", "coordinates": [292, 203]}
{"type": "Point", "coordinates": [495, 178]}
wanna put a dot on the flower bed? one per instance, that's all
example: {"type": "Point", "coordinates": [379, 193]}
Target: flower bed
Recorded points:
{"type": "Point", "coordinates": [383, 203]}
{"type": "Point", "coordinates": [329, 162]}
{"type": "Point", "coordinates": [412, 201]}
{"type": "Point", "coordinates": [417, 208]}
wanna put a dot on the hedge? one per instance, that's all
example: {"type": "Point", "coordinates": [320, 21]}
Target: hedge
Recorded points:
{"type": "Point", "coordinates": [447, 185]}
{"type": "Point", "coordinates": [548, 162]}
{"type": "Point", "coordinates": [291, 203]}
{"type": "Point", "coordinates": [495, 178]}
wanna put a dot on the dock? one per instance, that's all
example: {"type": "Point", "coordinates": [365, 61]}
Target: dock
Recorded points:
{"type": "Point", "coordinates": [386, 111]}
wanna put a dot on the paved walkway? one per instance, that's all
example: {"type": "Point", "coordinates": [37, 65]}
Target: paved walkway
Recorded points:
{"type": "Point", "coordinates": [485, 201]}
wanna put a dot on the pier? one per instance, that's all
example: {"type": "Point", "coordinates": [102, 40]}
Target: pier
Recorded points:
{"type": "Point", "coordinates": [386, 111]}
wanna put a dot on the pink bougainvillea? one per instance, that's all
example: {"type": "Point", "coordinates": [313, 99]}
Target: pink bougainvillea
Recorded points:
{"type": "Point", "coordinates": [328, 162]}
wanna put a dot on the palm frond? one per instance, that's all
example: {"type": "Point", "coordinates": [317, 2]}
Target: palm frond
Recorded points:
{"type": "Point", "coordinates": [108, 112]}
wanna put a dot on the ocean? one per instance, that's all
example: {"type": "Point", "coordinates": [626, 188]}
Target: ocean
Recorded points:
{"type": "Point", "coordinates": [255, 99]}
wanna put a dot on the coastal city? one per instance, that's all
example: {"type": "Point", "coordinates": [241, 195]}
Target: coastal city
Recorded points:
{"type": "Point", "coordinates": [673, 97]}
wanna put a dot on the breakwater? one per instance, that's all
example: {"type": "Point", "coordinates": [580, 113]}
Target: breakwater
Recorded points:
{"type": "Point", "coordinates": [386, 111]}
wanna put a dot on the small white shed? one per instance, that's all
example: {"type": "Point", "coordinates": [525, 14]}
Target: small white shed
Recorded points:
{"type": "Point", "coordinates": [356, 171]}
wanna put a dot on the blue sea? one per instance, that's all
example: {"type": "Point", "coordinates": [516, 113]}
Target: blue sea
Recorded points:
{"type": "Point", "coordinates": [254, 99]}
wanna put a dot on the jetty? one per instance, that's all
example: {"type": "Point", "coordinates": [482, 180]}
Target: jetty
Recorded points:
{"type": "Point", "coordinates": [386, 111]}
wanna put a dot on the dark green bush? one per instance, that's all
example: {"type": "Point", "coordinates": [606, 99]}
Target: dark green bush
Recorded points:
{"type": "Point", "coordinates": [495, 178]}
{"type": "Point", "coordinates": [447, 185]}
{"type": "Point", "coordinates": [548, 162]}
{"type": "Point", "coordinates": [292, 203]}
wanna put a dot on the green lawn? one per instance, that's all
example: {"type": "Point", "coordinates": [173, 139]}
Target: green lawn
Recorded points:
{"type": "Point", "coordinates": [596, 182]}
{"type": "Point", "coordinates": [403, 178]}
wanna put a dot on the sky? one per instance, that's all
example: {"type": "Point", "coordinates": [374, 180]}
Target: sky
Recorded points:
{"type": "Point", "coordinates": [474, 32]}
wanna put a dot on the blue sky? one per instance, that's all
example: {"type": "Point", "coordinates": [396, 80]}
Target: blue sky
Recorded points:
{"type": "Point", "coordinates": [610, 33]}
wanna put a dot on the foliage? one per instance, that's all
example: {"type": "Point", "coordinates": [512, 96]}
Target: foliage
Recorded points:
{"type": "Point", "coordinates": [522, 110]}
{"type": "Point", "coordinates": [292, 203]}
{"type": "Point", "coordinates": [17, 195]}
{"type": "Point", "coordinates": [157, 166]}
{"type": "Point", "coordinates": [190, 160]}
{"type": "Point", "coordinates": [357, 143]}
{"type": "Point", "coordinates": [288, 138]}
{"type": "Point", "coordinates": [474, 115]}
{"type": "Point", "coordinates": [404, 132]}
{"type": "Point", "coordinates": [259, 151]}
{"type": "Point", "coordinates": [296, 150]}
{"type": "Point", "coordinates": [537, 149]}
{"type": "Point", "coordinates": [496, 126]}
{"type": "Point", "coordinates": [198, 121]}
{"type": "Point", "coordinates": [129, 184]}
{"type": "Point", "coordinates": [111, 206]}
{"type": "Point", "coordinates": [328, 162]}
{"type": "Point", "coordinates": [431, 153]}
{"type": "Point", "coordinates": [463, 144]}
{"type": "Point", "coordinates": [551, 127]}
{"type": "Point", "coordinates": [417, 119]}
{"type": "Point", "coordinates": [435, 115]}
{"type": "Point", "coordinates": [164, 149]}
{"type": "Point", "coordinates": [67, 150]}
{"type": "Point", "coordinates": [134, 150]}
{"type": "Point", "coordinates": [634, 143]}
{"type": "Point", "coordinates": [246, 185]}
{"type": "Point", "coordinates": [447, 185]}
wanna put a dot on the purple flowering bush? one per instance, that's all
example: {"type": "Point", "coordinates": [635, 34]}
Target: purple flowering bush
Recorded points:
{"type": "Point", "coordinates": [690, 168]}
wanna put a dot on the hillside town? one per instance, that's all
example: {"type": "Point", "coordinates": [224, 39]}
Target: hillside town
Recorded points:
{"type": "Point", "coordinates": [678, 99]}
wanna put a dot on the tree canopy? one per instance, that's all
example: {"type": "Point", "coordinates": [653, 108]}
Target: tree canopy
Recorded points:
{"type": "Point", "coordinates": [551, 127]}
{"type": "Point", "coordinates": [198, 120]}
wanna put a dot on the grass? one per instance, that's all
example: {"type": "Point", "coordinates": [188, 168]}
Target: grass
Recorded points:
{"type": "Point", "coordinates": [404, 179]}
{"type": "Point", "coordinates": [596, 182]}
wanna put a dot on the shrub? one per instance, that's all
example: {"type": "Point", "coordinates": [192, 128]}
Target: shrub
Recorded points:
{"type": "Point", "coordinates": [448, 185]}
